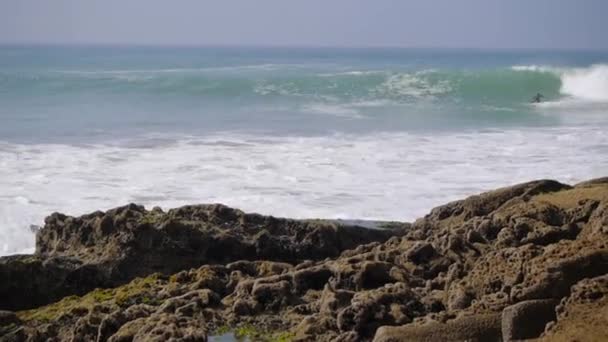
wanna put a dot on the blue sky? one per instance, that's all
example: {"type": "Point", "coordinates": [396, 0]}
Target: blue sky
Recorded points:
{"type": "Point", "coordinates": [407, 23]}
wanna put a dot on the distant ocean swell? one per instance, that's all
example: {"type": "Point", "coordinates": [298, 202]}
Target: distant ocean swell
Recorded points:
{"type": "Point", "coordinates": [499, 86]}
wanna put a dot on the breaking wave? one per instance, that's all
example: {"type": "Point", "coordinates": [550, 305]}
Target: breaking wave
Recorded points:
{"type": "Point", "coordinates": [590, 83]}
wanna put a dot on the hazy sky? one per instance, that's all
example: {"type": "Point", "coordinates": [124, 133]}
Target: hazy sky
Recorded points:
{"type": "Point", "coordinates": [435, 23]}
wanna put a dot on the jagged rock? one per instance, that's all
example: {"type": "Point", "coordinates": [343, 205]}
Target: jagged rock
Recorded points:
{"type": "Point", "coordinates": [559, 275]}
{"type": "Point", "coordinates": [271, 293]}
{"type": "Point", "coordinates": [582, 316]}
{"type": "Point", "coordinates": [161, 327]}
{"type": "Point", "coordinates": [76, 254]}
{"type": "Point", "coordinates": [391, 304]}
{"type": "Point", "coordinates": [373, 274]}
{"type": "Point", "coordinates": [112, 322]}
{"type": "Point", "coordinates": [475, 270]}
{"type": "Point", "coordinates": [421, 252]}
{"type": "Point", "coordinates": [311, 278]}
{"type": "Point", "coordinates": [29, 280]}
{"type": "Point", "coordinates": [243, 307]}
{"type": "Point", "coordinates": [198, 298]}
{"type": "Point", "coordinates": [313, 326]}
{"type": "Point", "coordinates": [486, 203]}
{"type": "Point", "coordinates": [334, 300]}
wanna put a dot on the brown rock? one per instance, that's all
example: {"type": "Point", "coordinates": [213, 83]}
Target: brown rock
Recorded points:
{"type": "Point", "coordinates": [470, 328]}
{"type": "Point", "coordinates": [271, 294]}
{"type": "Point", "coordinates": [583, 316]}
{"type": "Point", "coordinates": [459, 299]}
{"type": "Point", "coordinates": [161, 327]}
{"type": "Point", "coordinates": [471, 270]}
{"type": "Point", "coordinates": [527, 319]}
{"type": "Point", "coordinates": [77, 254]}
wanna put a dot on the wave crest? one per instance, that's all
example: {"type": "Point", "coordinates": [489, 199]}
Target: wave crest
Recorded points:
{"type": "Point", "coordinates": [590, 83]}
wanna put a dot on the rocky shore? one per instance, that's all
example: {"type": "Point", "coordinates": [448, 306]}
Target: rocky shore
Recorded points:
{"type": "Point", "coordinates": [528, 261]}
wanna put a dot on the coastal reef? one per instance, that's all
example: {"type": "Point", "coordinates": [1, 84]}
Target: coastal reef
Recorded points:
{"type": "Point", "coordinates": [526, 262]}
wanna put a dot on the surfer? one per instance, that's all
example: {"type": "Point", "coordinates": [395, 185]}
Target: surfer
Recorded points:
{"type": "Point", "coordinates": [537, 98]}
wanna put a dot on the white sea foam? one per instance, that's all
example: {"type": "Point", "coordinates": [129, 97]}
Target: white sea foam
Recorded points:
{"type": "Point", "coordinates": [396, 176]}
{"type": "Point", "coordinates": [536, 68]}
{"type": "Point", "coordinates": [413, 85]}
{"type": "Point", "coordinates": [265, 88]}
{"type": "Point", "coordinates": [341, 110]}
{"type": "Point", "coordinates": [491, 108]}
{"type": "Point", "coordinates": [354, 73]}
{"type": "Point", "coordinates": [590, 83]}
{"type": "Point", "coordinates": [372, 103]}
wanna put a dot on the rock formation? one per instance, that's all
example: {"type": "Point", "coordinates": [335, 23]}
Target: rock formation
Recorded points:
{"type": "Point", "coordinates": [524, 262]}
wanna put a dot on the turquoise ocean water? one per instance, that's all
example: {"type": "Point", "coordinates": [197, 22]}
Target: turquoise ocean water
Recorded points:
{"type": "Point", "coordinates": [302, 132]}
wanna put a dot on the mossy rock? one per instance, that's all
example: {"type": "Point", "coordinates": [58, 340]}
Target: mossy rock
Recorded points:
{"type": "Point", "coordinates": [135, 292]}
{"type": "Point", "coordinates": [251, 333]}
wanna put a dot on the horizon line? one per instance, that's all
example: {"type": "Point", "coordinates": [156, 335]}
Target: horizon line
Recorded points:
{"type": "Point", "coordinates": [289, 46]}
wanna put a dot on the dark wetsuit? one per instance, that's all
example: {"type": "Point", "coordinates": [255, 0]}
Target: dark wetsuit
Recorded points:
{"type": "Point", "coordinates": [538, 98]}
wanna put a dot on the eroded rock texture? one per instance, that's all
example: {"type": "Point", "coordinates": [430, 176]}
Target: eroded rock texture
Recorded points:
{"type": "Point", "coordinates": [77, 254]}
{"type": "Point", "coordinates": [524, 262]}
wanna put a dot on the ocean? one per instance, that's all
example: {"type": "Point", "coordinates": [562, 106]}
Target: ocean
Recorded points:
{"type": "Point", "coordinates": [384, 134]}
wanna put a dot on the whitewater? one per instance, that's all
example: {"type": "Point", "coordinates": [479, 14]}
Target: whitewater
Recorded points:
{"type": "Point", "coordinates": [332, 133]}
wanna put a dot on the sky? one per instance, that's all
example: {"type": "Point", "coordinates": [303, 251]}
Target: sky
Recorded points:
{"type": "Point", "coordinates": [569, 24]}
